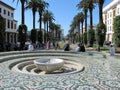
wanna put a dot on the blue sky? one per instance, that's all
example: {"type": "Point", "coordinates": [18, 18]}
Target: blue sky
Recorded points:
{"type": "Point", "coordinates": [63, 11]}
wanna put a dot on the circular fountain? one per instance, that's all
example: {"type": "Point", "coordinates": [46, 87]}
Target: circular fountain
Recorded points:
{"type": "Point", "coordinates": [46, 66]}
{"type": "Point", "coordinates": [49, 64]}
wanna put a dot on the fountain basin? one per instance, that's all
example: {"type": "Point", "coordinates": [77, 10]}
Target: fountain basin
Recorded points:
{"type": "Point", "coordinates": [49, 64]}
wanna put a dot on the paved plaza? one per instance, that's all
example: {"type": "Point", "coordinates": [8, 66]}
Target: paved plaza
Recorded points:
{"type": "Point", "coordinates": [101, 71]}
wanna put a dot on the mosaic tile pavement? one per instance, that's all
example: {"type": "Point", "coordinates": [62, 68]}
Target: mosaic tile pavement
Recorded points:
{"type": "Point", "coordinates": [102, 72]}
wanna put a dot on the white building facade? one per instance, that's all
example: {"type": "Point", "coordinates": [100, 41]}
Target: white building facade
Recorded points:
{"type": "Point", "coordinates": [7, 12]}
{"type": "Point", "coordinates": [109, 13]}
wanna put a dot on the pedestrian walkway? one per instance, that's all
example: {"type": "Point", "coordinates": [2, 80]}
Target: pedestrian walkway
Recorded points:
{"type": "Point", "coordinates": [101, 71]}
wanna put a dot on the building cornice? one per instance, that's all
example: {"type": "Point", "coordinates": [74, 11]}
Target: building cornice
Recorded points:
{"type": "Point", "coordinates": [111, 5]}
{"type": "Point", "coordinates": [6, 5]}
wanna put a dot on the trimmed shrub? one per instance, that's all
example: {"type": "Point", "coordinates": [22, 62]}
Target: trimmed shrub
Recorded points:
{"type": "Point", "coordinates": [91, 37]}
{"type": "Point", "coordinates": [85, 38]}
{"type": "Point", "coordinates": [100, 33]}
{"type": "Point", "coordinates": [40, 36]}
{"type": "Point", "coordinates": [33, 35]}
{"type": "Point", "coordinates": [22, 34]}
{"type": "Point", "coordinates": [2, 33]}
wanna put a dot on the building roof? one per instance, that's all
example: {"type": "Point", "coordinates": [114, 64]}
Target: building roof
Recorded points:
{"type": "Point", "coordinates": [111, 5]}
{"type": "Point", "coordinates": [6, 5]}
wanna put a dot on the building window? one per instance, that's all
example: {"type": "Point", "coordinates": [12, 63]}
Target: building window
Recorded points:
{"type": "Point", "coordinates": [8, 13]}
{"type": "Point", "coordinates": [5, 21]}
{"type": "Point", "coordinates": [110, 28]}
{"type": "Point", "coordinates": [11, 14]}
{"type": "Point", "coordinates": [110, 14]}
{"type": "Point", "coordinates": [118, 11]}
{"type": "Point", "coordinates": [4, 11]}
{"type": "Point", "coordinates": [11, 24]}
{"type": "Point", "coordinates": [8, 23]}
{"type": "Point", "coordinates": [114, 13]}
{"type": "Point", "coordinates": [110, 21]}
{"type": "Point", "coordinates": [14, 26]}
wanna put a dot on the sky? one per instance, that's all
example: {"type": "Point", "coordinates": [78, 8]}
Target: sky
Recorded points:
{"type": "Point", "coordinates": [63, 12]}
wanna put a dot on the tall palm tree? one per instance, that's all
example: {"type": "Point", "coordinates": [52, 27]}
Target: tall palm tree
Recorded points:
{"type": "Point", "coordinates": [52, 29]}
{"type": "Point", "coordinates": [82, 18]}
{"type": "Point", "coordinates": [79, 18]}
{"type": "Point", "coordinates": [71, 32]}
{"type": "Point", "coordinates": [77, 21]}
{"type": "Point", "coordinates": [91, 7]}
{"type": "Point", "coordinates": [33, 4]}
{"type": "Point", "coordinates": [48, 18]}
{"type": "Point", "coordinates": [83, 4]}
{"type": "Point", "coordinates": [100, 4]}
{"type": "Point", "coordinates": [101, 28]}
{"type": "Point", "coordinates": [57, 28]}
{"type": "Point", "coordinates": [44, 19]}
{"type": "Point", "coordinates": [41, 8]}
{"type": "Point", "coordinates": [22, 8]}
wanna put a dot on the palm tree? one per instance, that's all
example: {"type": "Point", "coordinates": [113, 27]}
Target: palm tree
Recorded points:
{"type": "Point", "coordinates": [57, 28]}
{"type": "Point", "coordinates": [82, 17]}
{"type": "Point", "coordinates": [91, 7]}
{"type": "Point", "coordinates": [41, 8]}
{"type": "Point", "coordinates": [77, 20]}
{"type": "Point", "coordinates": [33, 4]}
{"type": "Point", "coordinates": [100, 4]}
{"type": "Point", "coordinates": [83, 4]}
{"type": "Point", "coordinates": [72, 30]}
{"type": "Point", "coordinates": [44, 19]}
{"type": "Point", "coordinates": [22, 8]}
{"type": "Point", "coordinates": [101, 28]}
{"type": "Point", "coordinates": [47, 19]}
{"type": "Point", "coordinates": [52, 28]}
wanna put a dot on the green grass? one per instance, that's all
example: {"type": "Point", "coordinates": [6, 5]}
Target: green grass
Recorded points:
{"type": "Point", "coordinates": [102, 48]}
{"type": "Point", "coordinates": [62, 44]}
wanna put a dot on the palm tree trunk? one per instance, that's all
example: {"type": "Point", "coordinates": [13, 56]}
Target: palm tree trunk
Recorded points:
{"type": "Point", "coordinates": [40, 27]}
{"type": "Point", "coordinates": [47, 32]}
{"type": "Point", "coordinates": [44, 34]}
{"type": "Point", "coordinates": [40, 15]}
{"type": "Point", "coordinates": [33, 19]}
{"type": "Point", "coordinates": [85, 21]}
{"type": "Point", "coordinates": [22, 8]}
{"type": "Point", "coordinates": [82, 34]}
{"type": "Point", "coordinates": [91, 19]}
{"type": "Point", "coordinates": [79, 31]}
{"type": "Point", "coordinates": [100, 13]}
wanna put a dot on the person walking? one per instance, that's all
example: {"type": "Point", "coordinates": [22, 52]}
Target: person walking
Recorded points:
{"type": "Point", "coordinates": [48, 45]}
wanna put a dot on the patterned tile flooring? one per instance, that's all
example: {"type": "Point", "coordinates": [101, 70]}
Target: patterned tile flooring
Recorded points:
{"type": "Point", "coordinates": [102, 72]}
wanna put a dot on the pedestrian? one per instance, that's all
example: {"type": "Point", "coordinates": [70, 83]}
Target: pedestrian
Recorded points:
{"type": "Point", "coordinates": [78, 48]}
{"type": "Point", "coordinates": [112, 50]}
{"type": "Point", "coordinates": [48, 45]}
{"type": "Point", "coordinates": [67, 47]}
{"type": "Point", "coordinates": [82, 47]}
{"type": "Point", "coordinates": [57, 45]}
